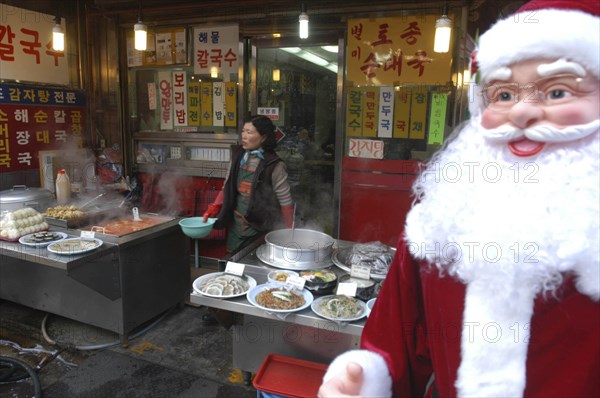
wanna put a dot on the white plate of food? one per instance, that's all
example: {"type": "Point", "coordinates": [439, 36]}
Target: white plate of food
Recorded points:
{"type": "Point", "coordinates": [339, 308]}
{"type": "Point", "coordinates": [74, 246]}
{"type": "Point", "coordinates": [42, 238]}
{"type": "Point", "coordinates": [273, 297]}
{"type": "Point", "coordinates": [223, 285]}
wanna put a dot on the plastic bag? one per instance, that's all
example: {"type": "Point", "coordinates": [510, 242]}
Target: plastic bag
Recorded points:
{"type": "Point", "coordinates": [374, 254]}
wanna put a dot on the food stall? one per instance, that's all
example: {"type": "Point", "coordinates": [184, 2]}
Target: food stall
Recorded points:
{"type": "Point", "coordinates": [117, 285]}
{"type": "Point", "coordinates": [300, 334]}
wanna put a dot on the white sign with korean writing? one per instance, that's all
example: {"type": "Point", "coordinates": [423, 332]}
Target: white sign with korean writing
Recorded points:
{"type": "Point", "coordinates": [218, 104]}
{"type": "Point", "coordinates": [165, 88]}
{"type": "Point", "coordinates": [385, 124]}
{"type": "Point", "coordinates": [216, 46]}
{"type": "Point", "coordinates": [179, 99]}
{"type": "Point", "coordinates": [369, 149]}
{"type": "Point", "coordinates": [270, 112]}
{"type": "Point", "coordinates": [26, 47]}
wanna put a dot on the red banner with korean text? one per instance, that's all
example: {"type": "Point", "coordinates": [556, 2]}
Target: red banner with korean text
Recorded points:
{"type": "Point", "coordinates": [394, 50]}
{"type": "Point", "coordinates": [34, 119]}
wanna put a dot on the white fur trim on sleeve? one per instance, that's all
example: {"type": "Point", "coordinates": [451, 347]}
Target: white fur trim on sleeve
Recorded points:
{"type": "Point", "coordinates": [377, 379]}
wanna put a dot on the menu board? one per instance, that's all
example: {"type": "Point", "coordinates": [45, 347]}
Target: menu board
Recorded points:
{"type": "Point", "coordinates": [35, 118]}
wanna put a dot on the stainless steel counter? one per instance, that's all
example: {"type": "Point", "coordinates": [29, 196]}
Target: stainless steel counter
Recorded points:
{"type": "Point", "coordinates": [107, 287]}
{"type": "Point", "coordinates": [300, 334]}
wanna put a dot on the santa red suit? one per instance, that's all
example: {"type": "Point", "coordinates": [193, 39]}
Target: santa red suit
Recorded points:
{"type": "Point", "coordinates": [495, 287]}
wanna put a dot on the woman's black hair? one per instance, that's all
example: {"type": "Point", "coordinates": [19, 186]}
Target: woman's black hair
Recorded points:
{"type": "Point", "coordinates": [264, 126]}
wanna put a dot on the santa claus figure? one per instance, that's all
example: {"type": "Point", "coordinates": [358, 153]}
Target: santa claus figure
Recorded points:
{"type": "Point", "coordinates": [495, 288]}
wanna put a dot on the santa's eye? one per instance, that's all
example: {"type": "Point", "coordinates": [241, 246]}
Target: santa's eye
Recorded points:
{"type": "Point", "coordinates": [504, 96]}
{"type": "Point", "coordinates": [501, 93]}
{"type": "Point", "coordinates": [557, 94]}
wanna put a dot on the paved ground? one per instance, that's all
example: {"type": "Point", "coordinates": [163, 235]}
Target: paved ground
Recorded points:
{"type": "Point", "coordinates": [180, 356]}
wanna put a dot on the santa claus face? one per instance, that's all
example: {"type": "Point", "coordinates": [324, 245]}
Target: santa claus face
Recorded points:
{"type": "Point", "coordinates": [536, 102]}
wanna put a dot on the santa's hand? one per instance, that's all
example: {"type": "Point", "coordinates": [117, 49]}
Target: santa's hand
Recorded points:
{"type": "Point", "coordinates": [345, 384]}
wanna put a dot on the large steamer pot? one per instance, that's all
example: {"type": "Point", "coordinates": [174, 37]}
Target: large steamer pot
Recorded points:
{"type": "Point", "coordinates": [299, 246]}
{"type": "Point", "coordinates": [20, 196]}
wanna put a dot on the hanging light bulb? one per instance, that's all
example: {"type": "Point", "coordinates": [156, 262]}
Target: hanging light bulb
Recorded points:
{"type": "Point", "coordinates": [443, 30]}
{"type": "Point", "coordinates": [276, 75]}
{"type": "Point", "coordinates": [58, 36]}
{"type": "Point", "coordinates": [214, 72]}
{"type": "Point", "coordinates": [141, 33]}
{"type": "Point", "coordinates": [303, 20]}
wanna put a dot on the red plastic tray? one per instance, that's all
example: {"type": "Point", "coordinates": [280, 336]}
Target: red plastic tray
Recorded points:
{"type": "Point", "coordinates": [289, 377]}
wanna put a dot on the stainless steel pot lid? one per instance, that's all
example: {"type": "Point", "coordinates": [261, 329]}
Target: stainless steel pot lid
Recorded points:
{"type": "Point", "coordinates": [23, 193]}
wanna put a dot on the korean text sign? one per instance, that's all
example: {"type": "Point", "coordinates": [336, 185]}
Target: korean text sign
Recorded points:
{"type": "Point", "coordinates": [216, 47]}
{"type": "Point", "coordinates": [34, 119]}
{"type": "Point", "coordinates": [393, 50]}
{"type": "Point", "coordinates": [26, 47]}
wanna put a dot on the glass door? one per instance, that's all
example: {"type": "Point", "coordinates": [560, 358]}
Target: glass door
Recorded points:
{"type": "Point", "coordinates": [297, 88]}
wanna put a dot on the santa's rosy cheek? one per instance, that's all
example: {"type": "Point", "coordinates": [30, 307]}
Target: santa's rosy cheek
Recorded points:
{"type": "Point", "coordinates": [491, 120]}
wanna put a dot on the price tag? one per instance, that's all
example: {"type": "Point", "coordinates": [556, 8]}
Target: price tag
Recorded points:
{"type": "Point", "coordinates": [347, 288]}
{"type": "Point", "coordinates": [297, 282]}
{"type": "Point", "coordinates": [87, 235]}
{"type": "Point", "coordinates": [360, 271]}
{"type": "Point", "coordinates": [234, 268]}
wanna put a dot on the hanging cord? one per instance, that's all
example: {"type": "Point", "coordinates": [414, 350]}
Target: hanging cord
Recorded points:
{"type": "Point", "coordinates": [12, 362]}
{"type": "Point", "coordinates": [103, 345]}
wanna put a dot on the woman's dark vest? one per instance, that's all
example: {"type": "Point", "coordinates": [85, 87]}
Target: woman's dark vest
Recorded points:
{"type": "Point", "coordinates": [264, 211]}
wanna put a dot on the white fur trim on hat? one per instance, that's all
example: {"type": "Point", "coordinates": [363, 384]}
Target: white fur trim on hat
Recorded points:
{"type": "Point", "coordinates": [548, 33]}
{"type": "Point", "coordinates": [377, 381]}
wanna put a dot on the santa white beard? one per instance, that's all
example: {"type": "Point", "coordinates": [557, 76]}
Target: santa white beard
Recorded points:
{"type": "Point", "coordinates": [509, 228]}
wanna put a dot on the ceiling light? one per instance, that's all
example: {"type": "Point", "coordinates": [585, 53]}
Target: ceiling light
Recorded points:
{"type": "Point", "coordinates": [443, 30]}
{"type": "Point", "coordinates": [310, 57]}
{"type": "Point", "coordinates": [303, 20]}
{"type": "Point", "coordinates": [331, 49]}
{"type": "Point", "coordinates": [141, 32]}
{"type": "Point", "coordinates": [292, 50]}
{"type": "Point", "coordinates": [58, 36]}
{"type": "Point", "coordinates": [332, 67]}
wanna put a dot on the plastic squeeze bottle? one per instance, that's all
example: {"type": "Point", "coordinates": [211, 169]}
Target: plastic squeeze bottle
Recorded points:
{"type": "Point", "coordinates": [63, 188]}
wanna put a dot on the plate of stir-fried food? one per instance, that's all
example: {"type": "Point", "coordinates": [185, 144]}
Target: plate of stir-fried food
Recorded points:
{"type": "Point", "coordinates": [339, 308]}
{"type": "Point", "coordinates": [276, 297]}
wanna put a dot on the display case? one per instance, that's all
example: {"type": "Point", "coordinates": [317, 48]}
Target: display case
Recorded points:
{"type": "Point", "coordinates": [182, 114]}
{"type": "Point", "coordinates": [194, 154]}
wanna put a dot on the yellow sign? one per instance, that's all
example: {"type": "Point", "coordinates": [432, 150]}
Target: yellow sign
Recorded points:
{"type": "Point", "coordinates": [394, 50]}
{"type": "Point", "coordinates": [370, 107]}
{"type": "Point", "coordinates": [206, 104]}
{"type": "Point", "coordinates": [230, 104]}
{"type": "Point", "coordinates": [194, 104]}
{"type": "Point", "coordinates": [402, 112]}
{"type": "Point", "coordinates": [418, 112]}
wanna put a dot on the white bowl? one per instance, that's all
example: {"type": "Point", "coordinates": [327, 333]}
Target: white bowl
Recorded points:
{"type": "Point", "coordinates": [370, 305]}
{"type": "Point", "coordinates": [271, 276]}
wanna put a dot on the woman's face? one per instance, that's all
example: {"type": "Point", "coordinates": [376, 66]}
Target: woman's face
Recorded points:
{"type": "Point", "coordinates": [251, 138]}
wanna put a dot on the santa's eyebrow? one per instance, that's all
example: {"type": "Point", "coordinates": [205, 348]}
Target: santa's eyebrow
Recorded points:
{"type": "Point", "coordinates": [560, 66]}
{"type": "Point", "coordinates": [502, 74]}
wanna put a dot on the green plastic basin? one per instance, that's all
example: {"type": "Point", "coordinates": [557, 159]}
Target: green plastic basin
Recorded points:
{"type": "Point", "coordinates": [195, 227]}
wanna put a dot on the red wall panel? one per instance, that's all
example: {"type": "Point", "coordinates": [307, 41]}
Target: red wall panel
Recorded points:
{"type": "Point", "coordinates": [376, 196]}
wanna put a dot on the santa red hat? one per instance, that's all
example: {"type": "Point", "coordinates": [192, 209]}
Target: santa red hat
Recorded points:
{"type": "Point", "coordinates": [568, 29]}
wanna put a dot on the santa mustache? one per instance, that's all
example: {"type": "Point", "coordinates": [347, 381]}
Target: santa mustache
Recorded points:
{"type": "Point", "coordinates": [542, 133]}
